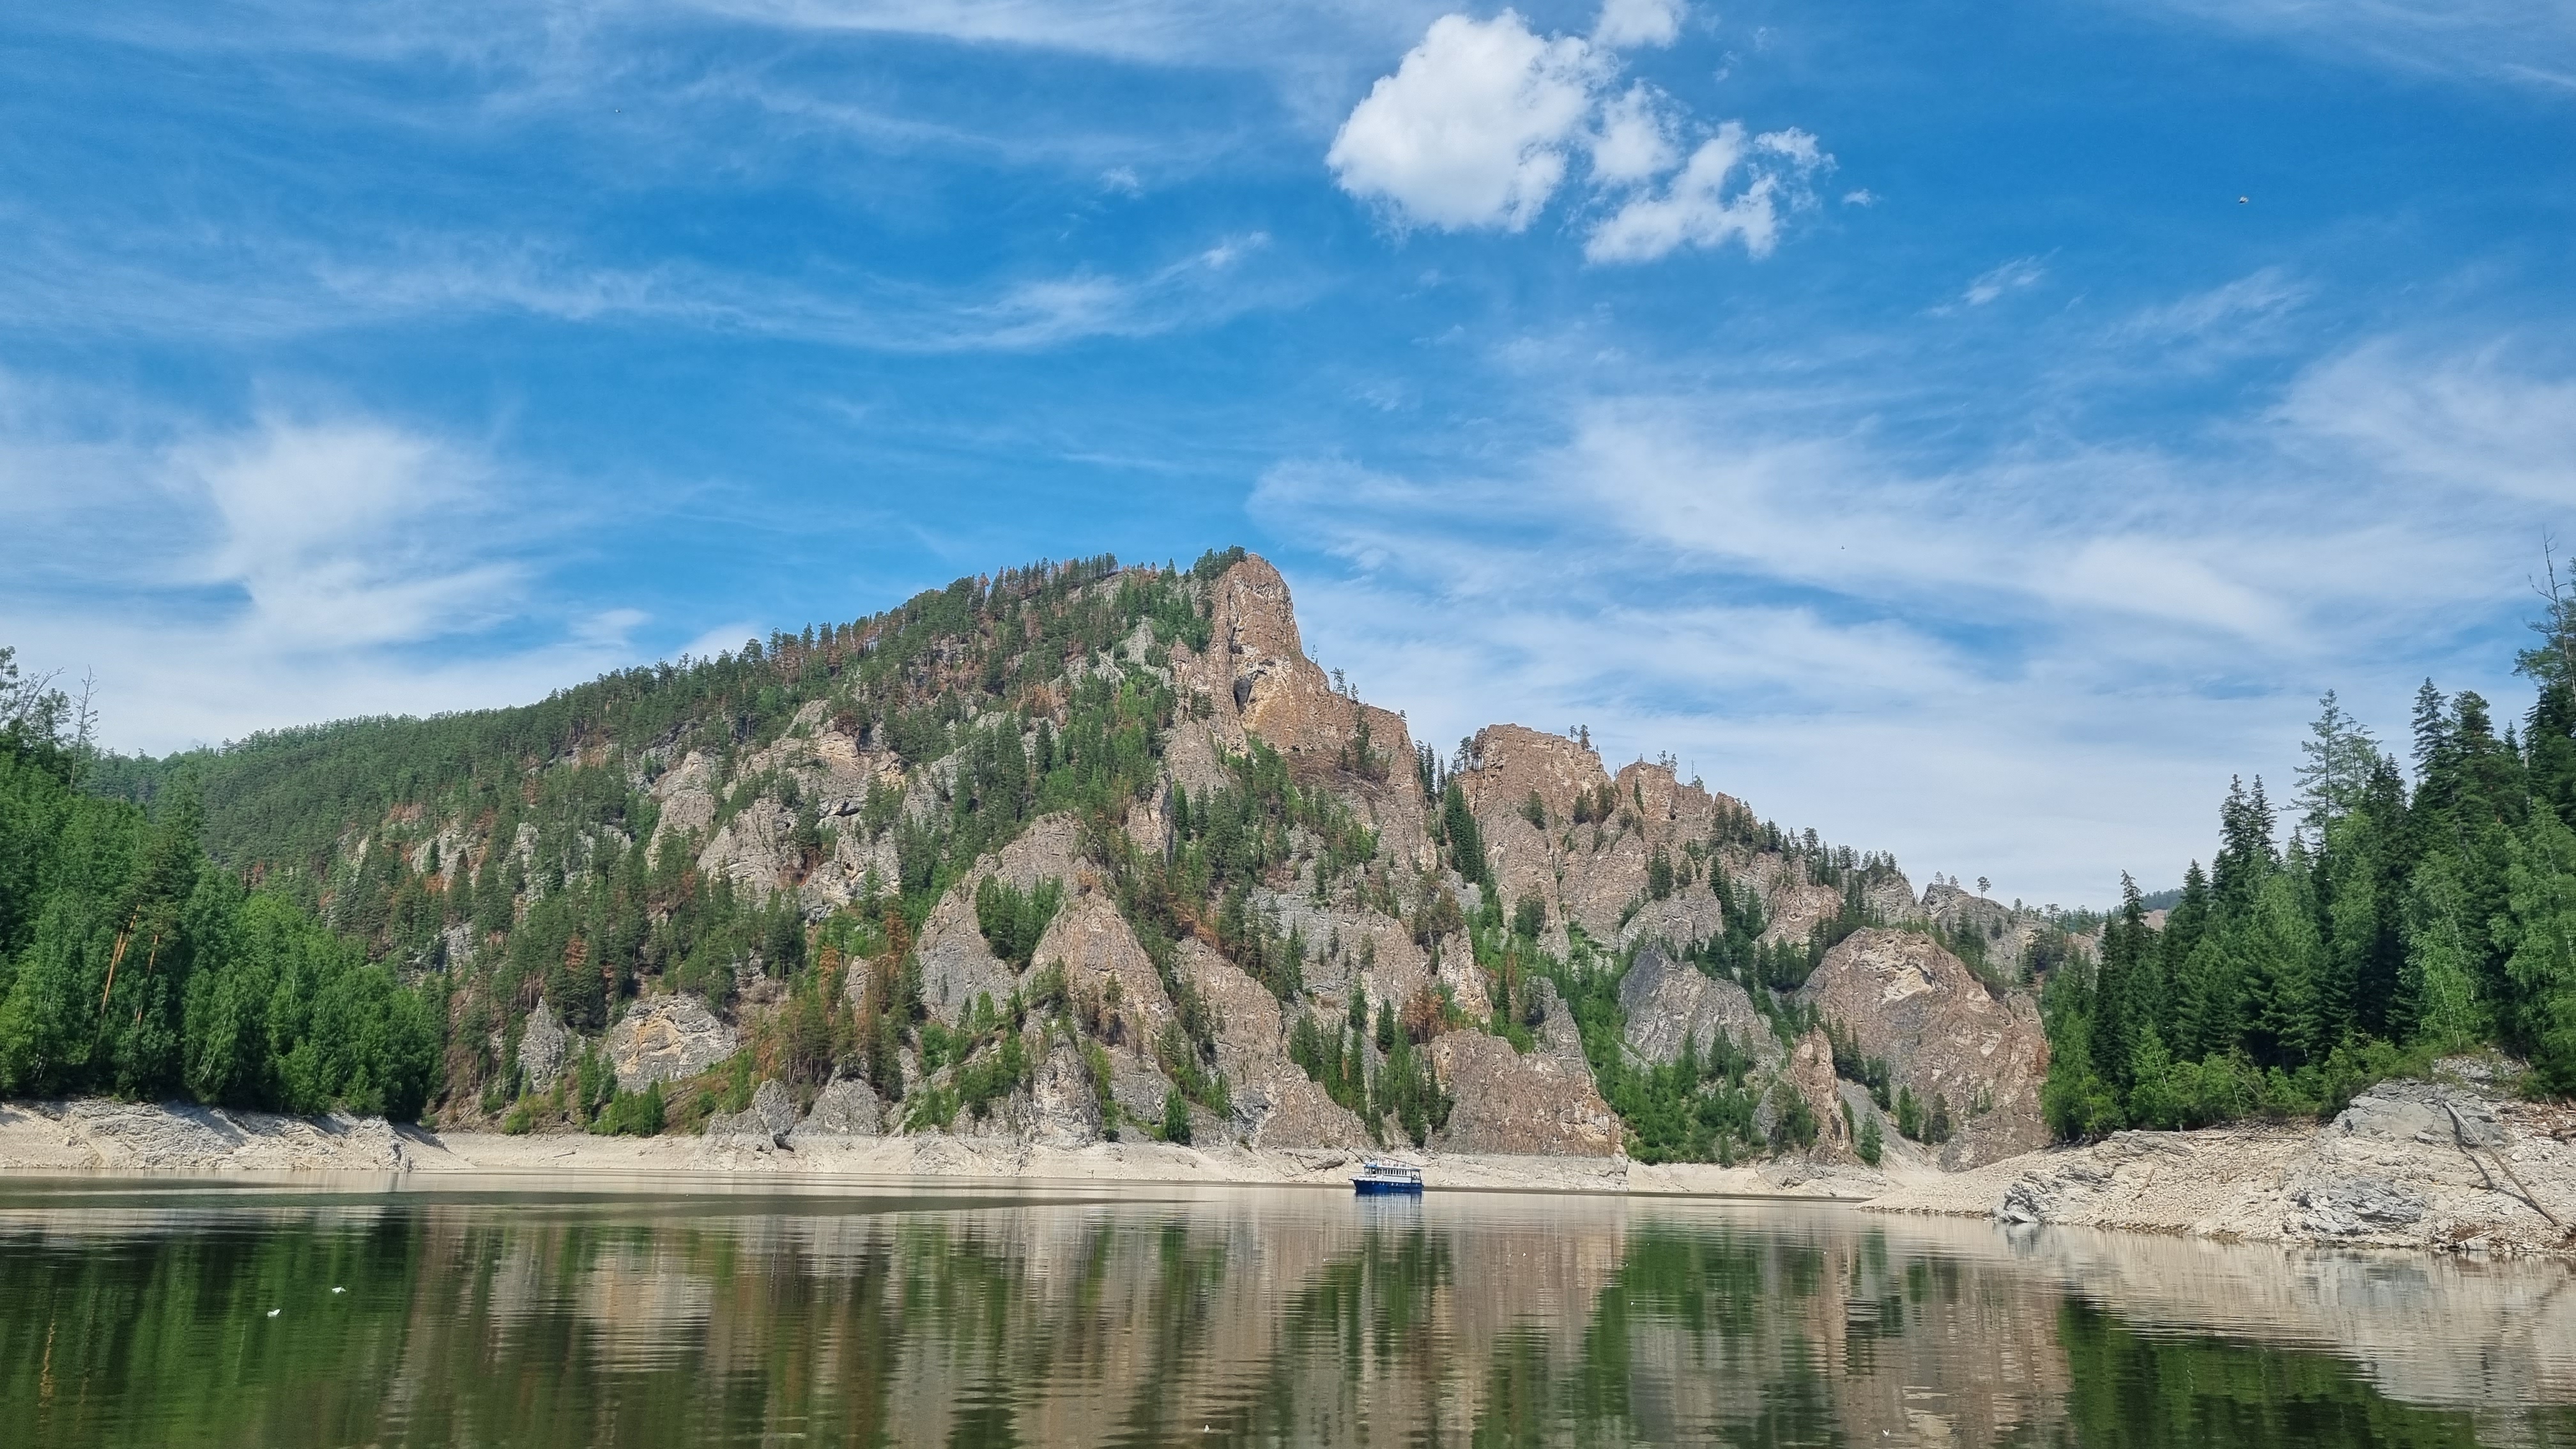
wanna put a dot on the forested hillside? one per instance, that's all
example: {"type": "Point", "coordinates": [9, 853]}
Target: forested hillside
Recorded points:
{"type": "Point", "coordinates": [130, 964]}
{"type": "Point", "coordinates": [1079, 851]}
{"type": "Point", "coordinates": [2407, 914]}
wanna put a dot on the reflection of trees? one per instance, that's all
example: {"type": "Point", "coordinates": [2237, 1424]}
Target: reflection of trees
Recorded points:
{"type": "Point", "coordinates": [1296, 1323]}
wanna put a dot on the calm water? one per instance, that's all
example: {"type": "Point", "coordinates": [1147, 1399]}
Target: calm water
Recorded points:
{"type": "Point", "coordinates": [184, 1314]}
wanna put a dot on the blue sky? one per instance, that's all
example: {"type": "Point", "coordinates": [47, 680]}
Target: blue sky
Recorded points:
{"type": "Point", "coordinates": [1893, 411]}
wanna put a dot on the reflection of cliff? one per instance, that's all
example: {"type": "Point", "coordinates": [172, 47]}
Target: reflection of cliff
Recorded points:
{"type": "Point", "coordinates": [1270, 1316]}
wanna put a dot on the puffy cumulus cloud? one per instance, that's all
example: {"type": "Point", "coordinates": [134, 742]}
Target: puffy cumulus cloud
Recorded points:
{"type": "Point", "coordinates": [1634, 142]}
{"type": "Point", "coordinates": [1472, 129]}
{"type": "Point", "coordinates": [1481, 123]}
{"type": "Point", "coordinates": [1732, 189]}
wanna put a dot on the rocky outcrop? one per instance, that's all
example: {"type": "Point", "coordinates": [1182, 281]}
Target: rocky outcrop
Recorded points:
{"type": "Point", "coordinates": [1534, 1104]}
{"type": "Point", "coordinates": [1666, 1002]}
{"type": "Point", "coordinates": [1275, 1103]}
{"type": "Point", "coordinates": [1901, 998]}
{"type": "Point", "coordinates": [1104, 963]}
{"type": "Point", "coordinates": [544, 1048]}
{"type": "Point", "coordinates": [957, 964]}
{"type": "Point", "coordinates": [2448, 1166]}
{"type": "Point", "coordinates": [666, 1038]}
{"type": "Point", "coordinates": [846, 1107]}
{"type": "Point", "coordinates": [1064, 1104]}
{"type": "Point", "coordinates": [179, 1137]}
{"type": "Point", "coordinates": [1810, 1073]}
{"type": "Point", "coordinates": [760, 1127]}
{"type": "Point", "coordinates": [1680, 920]}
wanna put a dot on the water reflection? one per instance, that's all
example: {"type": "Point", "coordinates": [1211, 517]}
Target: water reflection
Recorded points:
{"type": "Point", "coordinates": [132, 1316]}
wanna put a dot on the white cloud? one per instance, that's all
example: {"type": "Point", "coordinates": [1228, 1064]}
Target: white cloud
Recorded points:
{"type": "Point", "coordinates": [227, 580]}
{"type": "Point", "coordinates": [2013, 276]}
{"type": "Point", "coordinates": [1634, 141]}
{"type": "Point", "coordinates": [1638, 22]}
{"type": "Point", "coordinates": [1696, 208]}
{"type": "Point", "coordinates": [1472, 129]}
{"type": "Point", "coordinates": [2521, 42]}
{"type": "Point", "coordinates": [2040, 664]}
{"type": "Point", "coordinates": [1477, 126]}
{"type": "Point", "coordinates": [291, 287]}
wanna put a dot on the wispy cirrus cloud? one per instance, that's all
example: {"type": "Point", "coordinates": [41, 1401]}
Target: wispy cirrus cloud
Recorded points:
{"type": "Point", "coordinates": [1933, 657]}
{"type": "Point", "coordinates": [272, 287]}
{"type": "Point", "coordinates": [300, 566]}
{"type": "Point", "coordinates": [2519, 42]}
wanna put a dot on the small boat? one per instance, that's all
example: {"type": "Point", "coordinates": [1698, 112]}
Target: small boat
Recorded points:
{"type": "Point", "coordinates": [1388, 1177]}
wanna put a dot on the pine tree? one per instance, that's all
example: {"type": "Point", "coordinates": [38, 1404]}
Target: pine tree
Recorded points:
{"type": "Point", "coordinates": [2542, 931]}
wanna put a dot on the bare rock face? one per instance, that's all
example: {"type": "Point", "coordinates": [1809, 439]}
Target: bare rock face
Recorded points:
{"type": "Point", "coordinates": [1049, 849]}
{"type": "Point", "coordinates": [847, 1107]}
{"type": "Point", "coordinates": [1666, 1002]}
{"type": "Point", "coordinates": [751, 849]}
{"type": "Point", "coordinates": [666, 1038]}
{"type": "Point", "coordinates": [1096, 947]}
{"type": "Point", "coordinates": [1279, 693]}
{"type": "Point", "coordinates": [1687, 916]}
{"type": "Point", "coordinates": [1533, 1105]}
{"type": "Point", "coordinates": [1557, 1034]}
{"type": "Point", "coordinates": [1515, 762]}
{"type": "Point", "coordinates": [1810, 1073]}
{"type": "Point", "coordinates": [139, 1136]}
{"type": "Point", "coordinates": [1906, 1000]}
{"type": "Point", "coordinates": [761, 1126]}
{"type": "Point", "coordinates": [1137, 1086]}
{"type": "Point", "coordinates": [1275, 1103]}
{"type": "Point", "coordinates": [956, 963]}
{"type": "Point", "coordinates": [1604, 871]}
{"type": "Point", "coordinates": [544, 1047]}
{"type": "Point", "coordinates": [1064, 1106]}
{"type": "Point", "coordinates": [1794, 908]}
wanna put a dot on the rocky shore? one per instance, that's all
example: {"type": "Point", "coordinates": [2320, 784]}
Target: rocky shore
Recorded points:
{"type": "Point", "coordinates": [2450, 1166]}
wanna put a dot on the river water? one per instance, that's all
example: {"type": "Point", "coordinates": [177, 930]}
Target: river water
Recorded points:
{"type": "Point", "coordinates": [189, 1313]}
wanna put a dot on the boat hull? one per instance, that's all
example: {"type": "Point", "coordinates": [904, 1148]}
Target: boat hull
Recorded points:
{"type": "Point", "coordinates": [1373, 1187]}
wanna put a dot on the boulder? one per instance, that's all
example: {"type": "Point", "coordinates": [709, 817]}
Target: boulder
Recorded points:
{"type": "Point", "coordinates": [666, 1038]}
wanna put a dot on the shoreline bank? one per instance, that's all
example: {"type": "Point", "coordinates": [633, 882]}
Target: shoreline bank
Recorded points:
{"type": "Point", "coordinates": [2429, 1167]}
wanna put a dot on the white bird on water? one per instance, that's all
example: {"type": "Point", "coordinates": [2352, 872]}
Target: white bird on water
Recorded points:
{"type": "Point", "coordinates": [275, 1311]}
{"type": "Point", "coordinates": [339, 1290]}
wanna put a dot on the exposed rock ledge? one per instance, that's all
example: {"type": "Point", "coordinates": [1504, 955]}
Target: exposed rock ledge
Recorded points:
{"type": "Point", "coordinates": [2440, 1167]}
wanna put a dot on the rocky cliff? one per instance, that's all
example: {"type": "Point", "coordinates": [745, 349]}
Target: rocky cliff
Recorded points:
{"type": "Point", "coordinates": [1082, 854]}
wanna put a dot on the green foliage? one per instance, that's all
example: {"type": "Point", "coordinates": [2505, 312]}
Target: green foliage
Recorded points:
{"type": "Point", "coordinates": [130, 966]}
{"type": "Point", "coordinates": [1871, 1146]}
{"type": "Point", "coordinates": [2393, 925]}
{"type": "Point", "coordinates": [1176, 1117]}
{"type": "Point", "coordinates": [1012, 921]}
